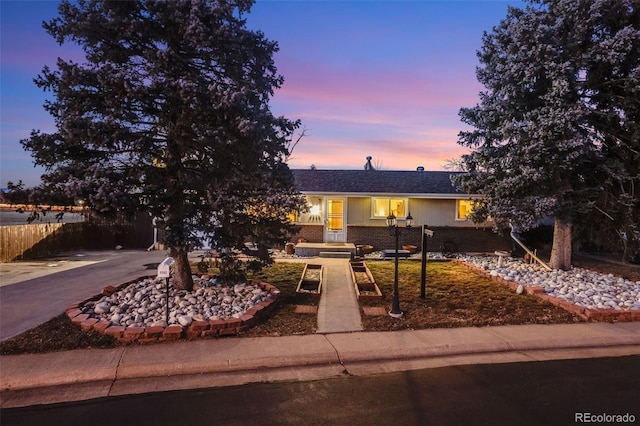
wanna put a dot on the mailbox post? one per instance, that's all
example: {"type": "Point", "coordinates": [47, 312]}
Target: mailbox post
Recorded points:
{"type": "Point", "coordinates": [164, 271]}
{"type": "Point", "coordinates": [423, 273]}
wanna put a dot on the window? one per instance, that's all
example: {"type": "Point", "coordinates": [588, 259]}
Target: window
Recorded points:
{"type": "Point", "coordinates": [382, 207]}
{"type": "Point", "coordinates": [292, 216]}
{"type": "Point", "coordinates": [335, 217]}
{"type": "Point", "coordinates": [463, 209]}
{"type": "Point", "coordinates": [258, 210]}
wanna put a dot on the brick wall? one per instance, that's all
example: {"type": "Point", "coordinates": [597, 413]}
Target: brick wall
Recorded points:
{"type": "Point", "coordinates": [311, 233]}
{"type": "Point", "coordinates": [454, 239]}
{"type": "Point", "coordinates": [468, 240]}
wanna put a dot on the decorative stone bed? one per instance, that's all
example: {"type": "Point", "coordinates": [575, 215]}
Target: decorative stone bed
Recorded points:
{"type": "Point", "coordinates": [487, 266]}
{"type": "Point", "coordinates": [210, 310]}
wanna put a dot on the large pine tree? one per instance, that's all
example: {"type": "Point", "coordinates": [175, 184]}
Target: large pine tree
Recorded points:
{"type": "Point", "coordinates": [169, 113]}
{"type": "Point", "coordinates": [556, 132]}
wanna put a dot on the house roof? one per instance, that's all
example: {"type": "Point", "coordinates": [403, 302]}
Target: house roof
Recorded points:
{"type": "Point", "coordinates": [374, 181]}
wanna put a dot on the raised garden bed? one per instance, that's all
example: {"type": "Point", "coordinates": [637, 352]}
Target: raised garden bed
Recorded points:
{"type": "Point", "coordinates": [365, 285]}
{"type": "Point", "coordinates": [311, 281]}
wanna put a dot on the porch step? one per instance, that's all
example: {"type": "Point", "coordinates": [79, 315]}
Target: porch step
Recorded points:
{"type": "Point", "coordinates": [336, 254]}
{"type": "Point", "coordinates": [314, 249]}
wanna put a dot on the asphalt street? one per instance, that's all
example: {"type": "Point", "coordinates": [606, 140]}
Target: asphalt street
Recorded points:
{"type": "Point", "coordinates": [531, 393]}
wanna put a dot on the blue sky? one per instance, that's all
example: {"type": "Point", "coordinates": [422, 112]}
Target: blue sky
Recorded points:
{"type": "Point", "coordinates": [379, 78]}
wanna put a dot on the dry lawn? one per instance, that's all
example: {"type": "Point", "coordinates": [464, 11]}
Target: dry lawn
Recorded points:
{"type": "Point", "coordinates": [455, 297]}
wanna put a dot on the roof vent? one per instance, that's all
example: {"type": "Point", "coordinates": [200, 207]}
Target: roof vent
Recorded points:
{"type": "Point", "coordinates": [420, 169]}
{"type": "Point", "coordinates": [368, 166]}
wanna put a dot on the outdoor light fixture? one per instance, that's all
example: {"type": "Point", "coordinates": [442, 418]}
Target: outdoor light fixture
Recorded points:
{"type": "Point", "coordinates": [316, 210]}
{"type": "Point", "coordinates": [409, 219]}
{"type": "Point", "coordinates": [391, 220]}
{"type": "Point", "coordinates": [392, 223]}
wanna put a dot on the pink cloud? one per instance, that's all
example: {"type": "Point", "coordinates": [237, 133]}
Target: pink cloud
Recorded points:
{"type": "Point", "coordinates": [417, 85]}
{"type": "Point", "coordinates": [385, 160]}
{"type": "Point", "coordinates": [406, 102]}
{"type": "Point", "coordinates": [392, 154]}
{"type": "Point", "coordinates": [405, 117]}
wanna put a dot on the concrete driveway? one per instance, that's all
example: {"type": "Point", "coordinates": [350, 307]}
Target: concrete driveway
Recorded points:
{"type": "Point", "coordinates": [34, 292]}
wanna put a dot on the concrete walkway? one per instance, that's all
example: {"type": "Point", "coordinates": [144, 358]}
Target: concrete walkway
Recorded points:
{"type": "Point", "coordinates": [338, 311]}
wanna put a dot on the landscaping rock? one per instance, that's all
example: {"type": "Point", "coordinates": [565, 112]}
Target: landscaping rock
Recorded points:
{"type": "Point", "coordinates": [142, 304]}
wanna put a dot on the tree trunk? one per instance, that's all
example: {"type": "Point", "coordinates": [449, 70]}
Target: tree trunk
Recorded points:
{"type": "Point", "coordinates": [561, 249]}
{"type": "Point", "coordinates": [182, 277]}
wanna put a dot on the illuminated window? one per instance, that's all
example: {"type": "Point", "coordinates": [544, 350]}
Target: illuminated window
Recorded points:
{"type": "Point", "coordinates": [292, 217]}
{"type": "Point", "coordinates": [382, 207]}
{"type": "Point", "coordinates": [335, 218]}
{"type": "Point", "coordinates": [464, 209]}
{"type": "Point", "coordinates": [334, 224]}
{"type": "Point", "coordinates": [262, 211]}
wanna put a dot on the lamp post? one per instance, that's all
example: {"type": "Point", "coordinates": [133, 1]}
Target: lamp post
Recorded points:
{"type": "Point", "coordinates": [392, 223]}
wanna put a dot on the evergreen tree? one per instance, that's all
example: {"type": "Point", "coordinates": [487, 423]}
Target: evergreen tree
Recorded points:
{"type": "Point", "coordinates": [556, 130]}
{"type": "Point", "coordinates": [169, 113]}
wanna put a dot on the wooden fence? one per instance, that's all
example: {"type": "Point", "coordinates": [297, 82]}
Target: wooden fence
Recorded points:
{"type": "Point", "coordinates": [21, 242]}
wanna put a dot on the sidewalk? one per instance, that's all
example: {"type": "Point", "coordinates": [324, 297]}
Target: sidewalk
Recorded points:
{"type": "Point", "coordinates": [85, 374]}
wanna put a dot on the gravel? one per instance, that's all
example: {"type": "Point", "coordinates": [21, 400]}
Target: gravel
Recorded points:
{"type": "Point", "coordinates": [143, 303]}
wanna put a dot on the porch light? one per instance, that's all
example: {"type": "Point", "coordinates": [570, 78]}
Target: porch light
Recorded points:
{"type": "Point", "coordinates": [315, 209]}
{"type": "Point", "coordinates": [409, 219]}
{"type": "Point", "coordinates": [392, 222]}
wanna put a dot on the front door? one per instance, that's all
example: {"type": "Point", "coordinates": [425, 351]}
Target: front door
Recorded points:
{"type": "Point", "coordinates": [335, 228]}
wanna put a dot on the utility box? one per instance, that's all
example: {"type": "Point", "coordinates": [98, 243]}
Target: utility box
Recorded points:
{"type": "Point", "coordinates": [164, 268]}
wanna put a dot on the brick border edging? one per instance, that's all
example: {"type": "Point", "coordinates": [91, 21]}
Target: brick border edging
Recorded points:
{"type": "Point", "coordinates": [588, 314]}
{"type": "Point", "coordinates": [196, 329]}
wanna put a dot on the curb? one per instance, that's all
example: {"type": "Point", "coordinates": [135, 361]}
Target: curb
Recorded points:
{"type": "Point", "coordinates": [95, 373]}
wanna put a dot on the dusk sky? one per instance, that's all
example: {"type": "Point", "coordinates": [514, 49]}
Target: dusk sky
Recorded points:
{"type": "Point", "coordinates": [378, 78]}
